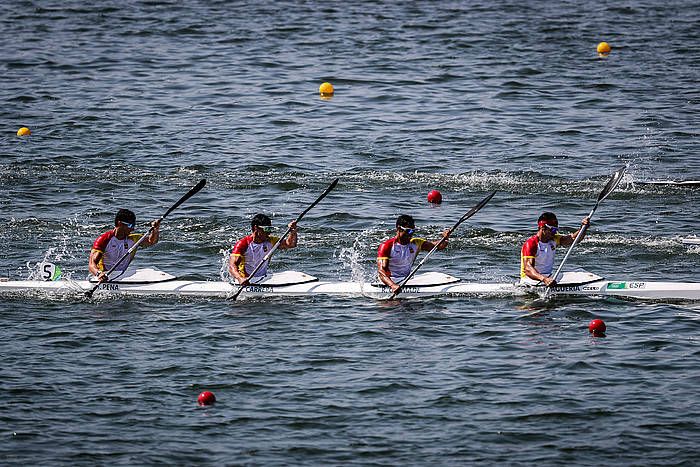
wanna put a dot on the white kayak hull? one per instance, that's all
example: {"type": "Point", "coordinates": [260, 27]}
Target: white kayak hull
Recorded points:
{"type": "Point", "coordinates": [291, 283]}
{"type": "Point", "coordinates": [670, 182]}
{"type": "Point", "coordinates": [691, 241]}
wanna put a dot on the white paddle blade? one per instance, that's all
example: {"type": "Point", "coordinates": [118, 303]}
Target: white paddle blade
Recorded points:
{"type": "Point", "coordinates": [612, 184]}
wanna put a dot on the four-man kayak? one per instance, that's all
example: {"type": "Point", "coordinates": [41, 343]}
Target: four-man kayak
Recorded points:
{"type": "Point", "coordinates": [152, 282]}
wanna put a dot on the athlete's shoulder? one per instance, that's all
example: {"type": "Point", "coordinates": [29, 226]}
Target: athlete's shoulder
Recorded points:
{"type": "Point", "coordinates": [418, 242]}
{"type": "Point", "coordinates": [532, 240]}
{"type": "Point", "coordinates": [101, 242]}
{"type": "Point", "coordinates": [385, 247]}
{"type": "Point", "coordinates": [242, 245]}
{"type": "Point", "coordinates": [531, 246]}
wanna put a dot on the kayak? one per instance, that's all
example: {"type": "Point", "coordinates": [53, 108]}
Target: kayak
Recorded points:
{"type": "Point", "coordinates": [691, 241]}
{"type": "Point", "coordinates": [670, 182]}
{"type": "Point", "coordinates": [152, 282]}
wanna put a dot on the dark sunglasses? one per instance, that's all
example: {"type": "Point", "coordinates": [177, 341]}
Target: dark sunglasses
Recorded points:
{"type": "Point", "coordinates": [552, 228]}
{"type": "Point", "coordinates": [127, 224]}
{"type": "Point", "coordinates": [408, 230]}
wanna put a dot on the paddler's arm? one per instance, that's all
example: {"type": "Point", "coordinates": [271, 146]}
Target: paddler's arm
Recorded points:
{"type": "Point", "coordinates": [427, 246]}
{"type": "Point", "coordinates": [291, 240]}
{"type": "Point", "coordinates": [235, 263]}
{"type": "Point", "coordinates": [534, 274]}
{"type": "Point", "coordinates": [567, 240]}
{"type": "Point", "coordinates": [153, 237]}
{"type": "Point", "coordinates": [385, 275]}
{"type": "Point", "coordinates": [93, 265]}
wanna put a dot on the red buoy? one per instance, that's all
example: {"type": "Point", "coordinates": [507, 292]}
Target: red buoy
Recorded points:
{"type": "Point", "coordinates": [597, 327]}
{"type": "Point", "coordinates": [206, 398]}
{"type": "Point", "coordinates": [435, 197]}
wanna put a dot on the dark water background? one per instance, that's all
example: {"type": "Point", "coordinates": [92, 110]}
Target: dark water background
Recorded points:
{"type": "Point", "coordinates": [131, 103]}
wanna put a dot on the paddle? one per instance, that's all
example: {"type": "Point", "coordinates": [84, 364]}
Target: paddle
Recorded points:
{"type": "Point", "coordinates": [279, 242]}
{"type": "Point", "coordinates": [469, 214]}
{"type": "Point", "coordinates": [187, 196]}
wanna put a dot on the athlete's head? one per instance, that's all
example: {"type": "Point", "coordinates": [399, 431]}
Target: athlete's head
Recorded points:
{"type": "Point", "coordinates": [548, 226]}
{"type": "Point", "coordinates": [260, 220]}
{"type": "Point", "coordinates": [547, 218]}
{"type": "Point", "coordinates": [126, 217]}
{"type": "Point", "coordinates": [404, 220]}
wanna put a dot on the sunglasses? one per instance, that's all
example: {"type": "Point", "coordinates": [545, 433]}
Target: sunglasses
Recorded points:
{"type": "Point", "coordinates": [552, 228]}
{"type": "Point", "coordinates": [408, 230]}
{"type": "Point", "coordinates": [127, 224]}
{"type": "Point", "coordinates": [265, 228]}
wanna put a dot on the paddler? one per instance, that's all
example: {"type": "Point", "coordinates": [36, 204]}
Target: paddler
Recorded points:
{"type": "Point", "coordinates": [397, 254]}
{"type": "Point", "coordinates": [537, 254]}
{"type": "Point", "coordinates": [249, 251]}
{"type": "Point", "coordinates": [112, 245]}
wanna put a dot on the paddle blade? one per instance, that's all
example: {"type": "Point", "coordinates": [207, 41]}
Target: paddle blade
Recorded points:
{"type": "Point", "coordinates": [318, 200]}
{"type": "Point", "coordinates": [187, 196]}
{"type": "Point", "coordinates": [333, 184]}
{"type": "Point", "coordinates": [612, 184]}
{"type": "Point", "coordinates": [89, 293]}
{"type": "Point", "coordinates": [475, 209]}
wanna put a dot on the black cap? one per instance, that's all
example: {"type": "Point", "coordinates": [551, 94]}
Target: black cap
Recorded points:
{"type": "Point", "coordinates": [126, 216]}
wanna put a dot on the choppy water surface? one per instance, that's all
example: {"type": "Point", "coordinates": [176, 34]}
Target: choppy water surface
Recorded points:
{"type": "Point", "coordinates": [131, 104]}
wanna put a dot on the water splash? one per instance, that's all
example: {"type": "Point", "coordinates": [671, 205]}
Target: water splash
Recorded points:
{"type": "Point", "coordinates": [223, 265]}
{"type": "Point", "coordinates": [354, 259]}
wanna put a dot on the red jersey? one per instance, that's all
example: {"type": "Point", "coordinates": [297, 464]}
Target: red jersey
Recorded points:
{"type": "Point", "coordinates": [401, 257]}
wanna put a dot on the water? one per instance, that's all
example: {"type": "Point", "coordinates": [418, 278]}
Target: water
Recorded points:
{"type": "Point", "coordinates": [131, 104]}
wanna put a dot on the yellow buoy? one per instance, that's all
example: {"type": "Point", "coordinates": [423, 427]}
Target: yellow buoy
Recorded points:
{"type": "Point", "coordinates": [24, 131]}
{"type": "Point", "coordinates": [326, 89]}
{"type": "Point", "coordinates": [604, 48]}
